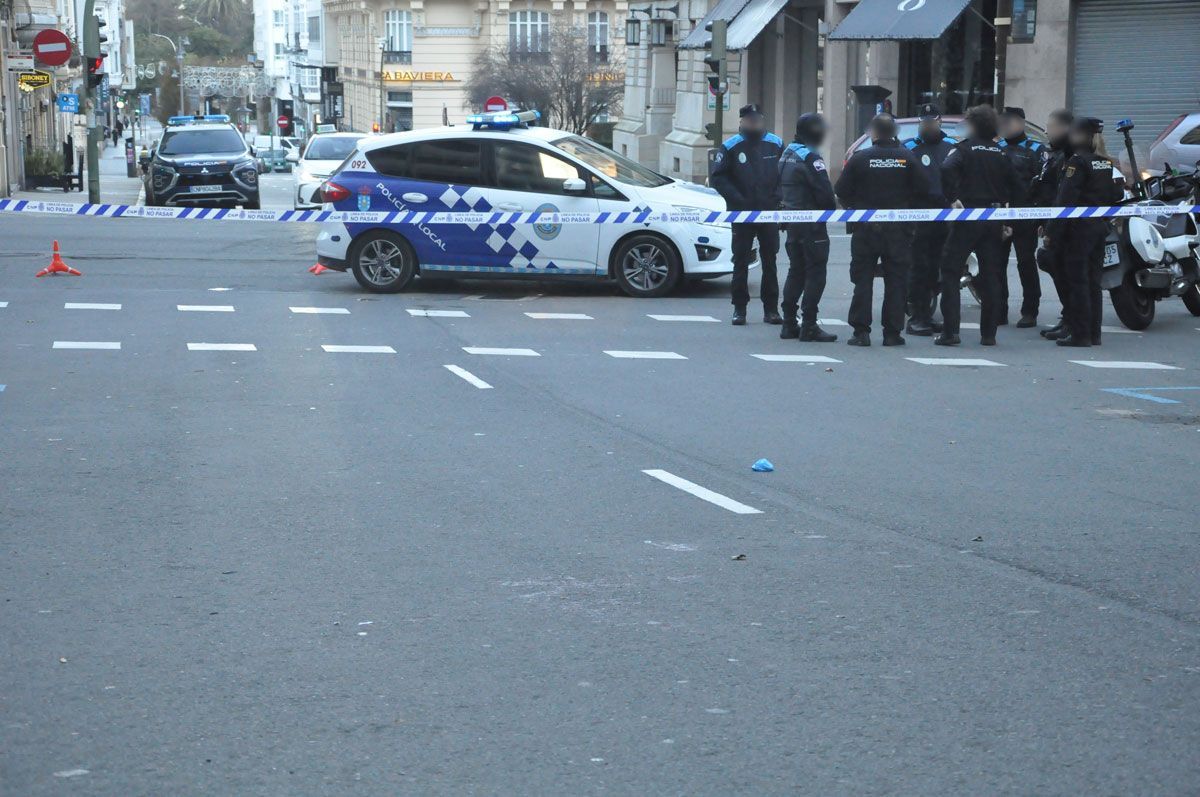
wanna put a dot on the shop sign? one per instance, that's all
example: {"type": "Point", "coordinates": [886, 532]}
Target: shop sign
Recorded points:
{"type": "Point", "coordinates": [32, 80]}
{"type": "Point", "coordinates": [419, 77]}
{"type": "Point", "coordinates": [20, 63]}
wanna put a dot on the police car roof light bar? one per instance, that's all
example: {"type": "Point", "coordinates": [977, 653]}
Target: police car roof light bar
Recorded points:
{"type": "Point", "coordinates": [198, 118]}
{"type": "Point", "coordinates": [503, 120]}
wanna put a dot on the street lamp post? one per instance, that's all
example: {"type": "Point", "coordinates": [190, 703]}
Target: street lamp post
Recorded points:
{"type": "Point", "coordinates": [382, 86]}
{"type": "Point", "coordinates": [179, 58]}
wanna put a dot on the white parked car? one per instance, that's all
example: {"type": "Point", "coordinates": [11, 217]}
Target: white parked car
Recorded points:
{"type": "Point", "coordinates": [502, 165]}
{"type": "Point", "coordinates": [1178, 145]}
{"type": "Point", "coordinates": [318, 159]}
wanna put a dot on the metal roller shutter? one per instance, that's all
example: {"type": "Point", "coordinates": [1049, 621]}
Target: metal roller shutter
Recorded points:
{"type": "Point", "coordinates": [1136, 59]}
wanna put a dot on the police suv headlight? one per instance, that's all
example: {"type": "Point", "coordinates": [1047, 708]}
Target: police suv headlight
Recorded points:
{"type": "Point", "coordinates": [246, 173]}
{"type": "Point", "coordinates": [163, 176]}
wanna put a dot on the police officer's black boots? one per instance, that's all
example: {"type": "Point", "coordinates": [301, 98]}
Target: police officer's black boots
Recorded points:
{"type": "Point", "coordinates": [772, 317]}
{"type": "Point", "coordinates": [811, 333]}
{"type": "Point", "coordinates": [1027, 322]}
{"type": "Point", "coordinates": [739, 317]}
{"type": "Point", "coordinates": [860, 339]}
{"type": "Point", "coordinates": [920, 327]}
{"type": "Point", "coordinates": [1071, 340]}
{"type": "Point", "coordinates": [892, 339]}
{"type": "Point", "coordinates": [1055, 332]}
{"type": "Point", "coordinates": [791, 328]}
{"type": "Point", "coordinates": [946, 339]}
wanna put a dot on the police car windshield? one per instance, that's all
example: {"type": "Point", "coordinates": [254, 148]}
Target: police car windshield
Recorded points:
{"type": "Point", "coordinates": [610, 164]}
{"type": "Point", "coordinates": [198, 142]}
{"type": "Point", "coordinates": [330, 149]}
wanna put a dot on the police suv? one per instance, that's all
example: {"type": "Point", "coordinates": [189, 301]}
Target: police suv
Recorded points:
{"type": "Point", "coordinates": [202, 160]}
{"type": "Point", "coordinates": [501, 164]}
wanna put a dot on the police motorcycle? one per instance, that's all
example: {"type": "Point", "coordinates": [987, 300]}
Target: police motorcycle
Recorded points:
{"type": "Point", "coordinates": [1152, 257]}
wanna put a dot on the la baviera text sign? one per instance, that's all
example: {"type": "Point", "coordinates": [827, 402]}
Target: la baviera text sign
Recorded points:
{"type": "Point", "coordinates": [419, 77]}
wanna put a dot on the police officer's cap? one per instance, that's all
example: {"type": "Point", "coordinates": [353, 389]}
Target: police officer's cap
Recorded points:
{"type": "Point", "coordinates": [1088, 124]}
{"type": "Point", "coordinates": [928, 112]}
{"type": "Point", "coordinates": [1013, 112]}
{"type": "Point", "coordinates": [750, 110]}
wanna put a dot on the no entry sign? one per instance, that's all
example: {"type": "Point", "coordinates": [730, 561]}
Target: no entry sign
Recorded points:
{"type": "Point", "coordinates": [52, 47]}
{"type": "Point", "coordinates": [493, 104]}
{"type": "Point", "coordinates": [282, 122]}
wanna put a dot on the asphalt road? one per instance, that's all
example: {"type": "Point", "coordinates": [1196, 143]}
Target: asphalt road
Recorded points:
{"type": "Point", "coordinates": [293, 571]}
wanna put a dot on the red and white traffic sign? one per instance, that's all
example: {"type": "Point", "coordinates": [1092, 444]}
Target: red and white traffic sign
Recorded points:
{"type": "Point", "coordinates": [52, 47]}
{"type": "Point", "coordinates": [493, 104]}
{"type": "Point", "coordinates": [283, 122]}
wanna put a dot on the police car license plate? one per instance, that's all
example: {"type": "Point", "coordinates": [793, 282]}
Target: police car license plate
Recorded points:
{"type": "Point", "coordinates": [1112, 256]}
{"type": "Point", "coordinates": [215, 189]}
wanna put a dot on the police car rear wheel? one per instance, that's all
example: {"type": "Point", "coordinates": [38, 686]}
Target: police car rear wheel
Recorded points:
{"type": "Point", "coordinates": [647, 266]}
{"type": "Point", "coordinates": [383, 262]}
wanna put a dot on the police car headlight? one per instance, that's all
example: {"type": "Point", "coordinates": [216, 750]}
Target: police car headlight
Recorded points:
{"type": "Point", "coordinates": [701, 212]}
{"type": "Point", "coordinates": [163, 175]}
{"type": "Point", "coordinates": [247, 173]}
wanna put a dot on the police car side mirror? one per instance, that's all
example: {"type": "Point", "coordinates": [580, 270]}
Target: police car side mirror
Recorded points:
{"type": "Point", "coordinates": [573, 185]}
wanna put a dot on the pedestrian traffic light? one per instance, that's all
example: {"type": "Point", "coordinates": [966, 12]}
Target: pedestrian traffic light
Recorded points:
{"type": "Point", "coordinates": [95, 75]}
{"type": "Point", "coordinates": [95, 60]}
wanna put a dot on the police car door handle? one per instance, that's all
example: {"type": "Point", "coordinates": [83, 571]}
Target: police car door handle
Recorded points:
{"type": "Point", "coordinates": [510, 207]}
{"type": "Point", "coordinates": [413, 198]}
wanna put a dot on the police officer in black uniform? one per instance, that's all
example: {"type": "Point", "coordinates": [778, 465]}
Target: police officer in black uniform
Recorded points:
{"type": "Point", "coordinates": [883, 175]}
{"type": "Point", "coordinates": [1043, 194]}
{"type": "Point", "coordinates": [804, 183]}
{"type": "Point", "coordinates": [977, 174]}
{"type": "Point", "coordinates": [1027, 157]}
{"type": "Point", "coordinates": [930, 147]}
{"type": "Point", "coordinates": [1089, 179]}
{"type": "Point", "coordinates": [746, 174]}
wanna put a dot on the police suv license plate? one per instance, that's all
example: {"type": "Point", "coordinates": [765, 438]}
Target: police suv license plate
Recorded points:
{"type": "Point", "coordinates": [1112, 255]}
{"type": "Point", "coordinates": [216, 189]}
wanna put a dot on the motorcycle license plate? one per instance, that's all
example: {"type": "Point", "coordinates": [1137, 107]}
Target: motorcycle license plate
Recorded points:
{"type": "Point", "coordinates": [1112, 255]}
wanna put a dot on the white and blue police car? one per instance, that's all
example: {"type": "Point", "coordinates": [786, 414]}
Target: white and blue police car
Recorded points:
{"type": "Point", "coordinates": [500, 163]}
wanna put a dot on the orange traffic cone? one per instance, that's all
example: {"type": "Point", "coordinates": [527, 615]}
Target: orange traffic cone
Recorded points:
{"type": "Point", "coordinates": [57, 266]}
{"type": "Point", "coordinates": [317, 269]}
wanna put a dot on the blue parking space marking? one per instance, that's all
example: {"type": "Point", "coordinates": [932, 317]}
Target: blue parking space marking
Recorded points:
{"type": "Point", "coordinates": [1144, 393]}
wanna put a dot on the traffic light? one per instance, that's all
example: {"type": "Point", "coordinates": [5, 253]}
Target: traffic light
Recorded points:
{"type": "Point", "coordinates": [715, 60]}
{"type": "Point", "coordinates": [95, 60]}
{"type": "Point", "coordinates": [95, 65]}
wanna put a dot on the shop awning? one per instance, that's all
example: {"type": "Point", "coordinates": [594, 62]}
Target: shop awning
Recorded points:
{"type": "Point", "coordinates": [898, 21]}
{"type": "Point", "coordinates": [746, 19]}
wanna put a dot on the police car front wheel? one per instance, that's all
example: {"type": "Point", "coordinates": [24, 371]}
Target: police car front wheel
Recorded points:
{"type": "Point", "coordinates": [382, 262]}
{"type": "Point", "coordinates": [647, 266]}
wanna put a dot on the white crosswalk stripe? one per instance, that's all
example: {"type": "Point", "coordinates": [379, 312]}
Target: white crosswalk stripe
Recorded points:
{"type": "Point", "coordinates": [334, 348]}
{"type": "Point", "coordinates": [969, 362]}
{"type": "Point", "coordinates": [222, 347]}
{"type": "Point", "coordinates": [90, 306]}
{"type": "Point", "coordinates": [320, 310]}
{"type": "Point", "coordinates": [86, 344]}
{"type": "Point", "coordinates": [437, 313]}
{"type": "Point", "coordinates": [700, 318]}
{"type": "Point", "coordinates": [795, 358]}
{"type": "Point", "coordinates": [469, 377]}
{"type": "Point", "coordinates": [500, 352]}
{"type": "Point", "coordinates": [1127, 364]}
{"type": "Point", "coordinates": [204, 308]}
{"type": "Point", "coordinates": [561, 316]}
{"type": "Point", "coordinates": [645, 355]}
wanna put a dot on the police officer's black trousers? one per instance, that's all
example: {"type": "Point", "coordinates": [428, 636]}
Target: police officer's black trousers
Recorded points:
{"type": "Point", "coordinates": [808, 252]}
{"type": "Point", "coordinates": [1024, 240]}
{"type": "Point", "coordinates": [1056, 267]}
{"type": "Point", "coordinates": [744, 236]}
{"type": "Point", "coordinates": [928, 241]}
{"type": "Point", "coordinates": [871, 244]}
{"type": "Point", "coordinates": [1083, 254]}
{"type": "Point", "coordinates": [984, 238]}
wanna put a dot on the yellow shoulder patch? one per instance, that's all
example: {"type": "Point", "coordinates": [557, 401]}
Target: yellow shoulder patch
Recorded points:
{"type": "Point", "coordinates": [1070, 171]}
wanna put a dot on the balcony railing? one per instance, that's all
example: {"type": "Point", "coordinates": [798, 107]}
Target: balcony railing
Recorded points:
{"type": "Point", "coordinates": [523, 56]}
{"type": "Point", "coordinates": [397, 56]}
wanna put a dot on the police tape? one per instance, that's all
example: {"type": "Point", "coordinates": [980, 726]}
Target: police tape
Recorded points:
{"type": "Point", "coordinates": [644, 216]}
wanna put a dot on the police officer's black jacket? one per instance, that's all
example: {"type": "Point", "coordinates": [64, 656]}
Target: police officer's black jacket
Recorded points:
{"type": "Point", "coordinates": [979, 174]}
{"type": "Point", "coordinates": [883, 175]}
{"type": "Point", "coordinates": [1088, 180]}
{"type": "Point", "coordinates": [804, 180]}
{"type": "Point", "coordinates": [1044, 189]}
{"type": "Point", "coordinates": [746, 172]}
{"type": "Point", "coordinates": [1027, 157]}
{"type": "Point", "coordinates": [931, 153]}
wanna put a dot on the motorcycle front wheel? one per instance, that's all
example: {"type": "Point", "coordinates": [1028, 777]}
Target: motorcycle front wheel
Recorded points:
{"type": "Point", "coordinates": [1191, 299]}
{"type": "Point", "coordinates": [1134, 306]}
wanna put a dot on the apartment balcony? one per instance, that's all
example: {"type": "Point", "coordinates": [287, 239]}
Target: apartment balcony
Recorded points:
{"type": "Point", "coordinates": [397, 56]}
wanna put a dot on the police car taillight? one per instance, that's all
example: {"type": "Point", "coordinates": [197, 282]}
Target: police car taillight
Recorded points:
{"type": "Point", "coordinates": [332, 192]}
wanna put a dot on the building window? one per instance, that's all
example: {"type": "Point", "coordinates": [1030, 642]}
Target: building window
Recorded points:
{"type": "Point", "coordinates": [529, 36]}
{"type": "Point", "coordinates": [277, 17]}
{"type": "Point", "coordinates": [597, 33]}
{"type": "Point", "coordinates": [399, 111]}
{"type": "Point", "coordinates": [314, 30]}
{"type": "Point", "coordinates": [278, 49]}
{"type": "Point", "coordinates": [397, 28]}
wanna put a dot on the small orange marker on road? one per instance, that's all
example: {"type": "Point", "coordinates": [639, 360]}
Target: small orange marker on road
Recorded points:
{"type": "Point", "coordinates": [318, 269]}
{"type": "Point", "coordinates": [57, 266]}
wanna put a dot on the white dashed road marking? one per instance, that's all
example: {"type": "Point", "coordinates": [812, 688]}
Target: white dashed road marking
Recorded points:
{"type": "Point", "coordinates": [703, 493]}
{"type": "Point", "coordinates": [645, 355]}
{"type": "Point", "coordinates": [704, 318]}
{"type": "Point", "coordinates": [205, 308]}
{"type": "Point", "coordinates": [561, 316]}
{"type": "Point", "coordinates": [795, 358]}
{"type": "Point", "coordinates": [468, 376]}
{"type": "Point", "coordinates": [438, 313]}
{"type": "Point", "coordinates": [90, 306]}
{"type": "Point", "coordinates": [960, 361]}
{"type": "Point", "coordinates": [222, 347]}
{"type": "Point", "coordinates": [3, 304]}
{"type": "Point", "coordinates": [1128, 364]}
{"type": "Point", "coordinates": [832, 322]}
{"type": "Point", "coordinates": [501, 352]}
{"type": "Point", "coordinates": [336, 349]}
{"type": "Point", "coordinates": [1119, 330]}
{"type": "Point", "coordinates": [320, 310]}
{"type": "Point", "coordinates": [86, 344]}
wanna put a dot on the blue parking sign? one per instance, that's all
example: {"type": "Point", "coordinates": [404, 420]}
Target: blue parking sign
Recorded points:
{"type": "Point", "coordinates": [68, 103]}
